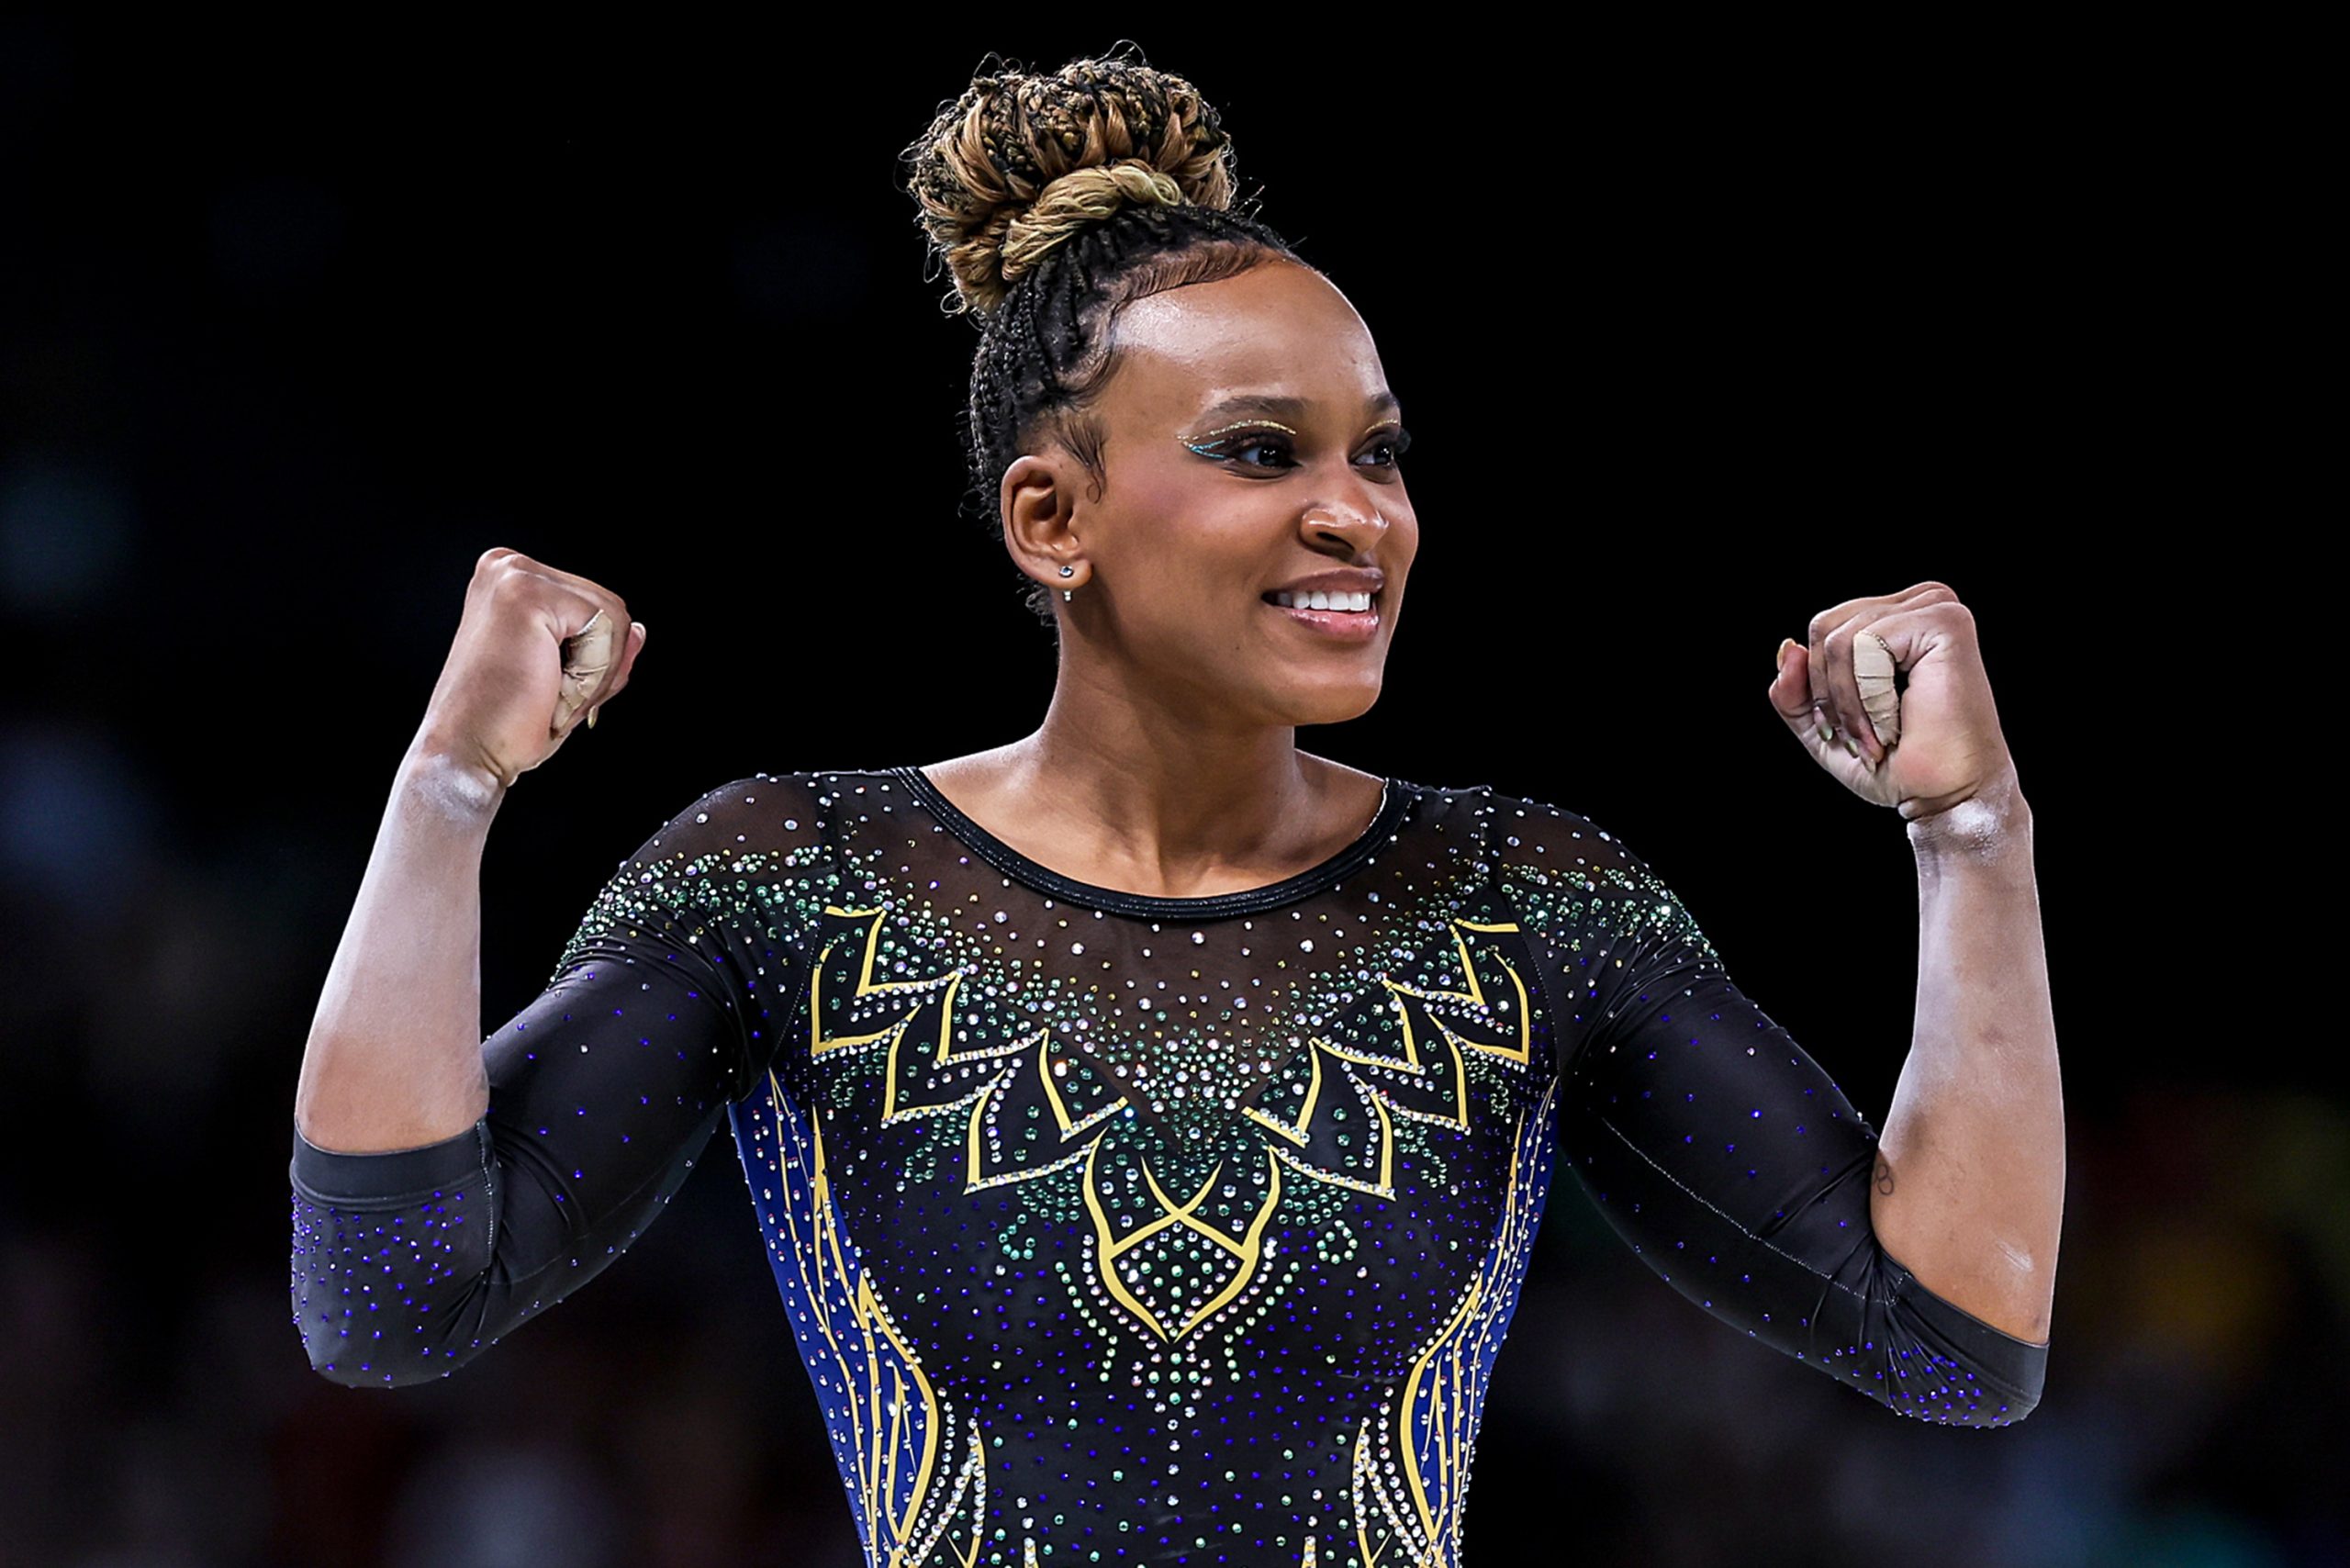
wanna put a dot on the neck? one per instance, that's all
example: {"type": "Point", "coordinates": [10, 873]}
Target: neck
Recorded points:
{"type": "Point", "coordinates": [1160, 795]}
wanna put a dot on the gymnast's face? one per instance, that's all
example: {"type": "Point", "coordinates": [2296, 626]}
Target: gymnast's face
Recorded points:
{"type": "Point", "coordinates": [1250, 447]}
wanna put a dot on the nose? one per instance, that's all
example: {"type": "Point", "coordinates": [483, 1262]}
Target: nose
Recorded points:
{"type": "Point", "coordinates": [1354, 527]}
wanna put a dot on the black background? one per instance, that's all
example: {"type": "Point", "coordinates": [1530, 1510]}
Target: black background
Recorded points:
{"type": "Point", "coordinates": [1697, 335]}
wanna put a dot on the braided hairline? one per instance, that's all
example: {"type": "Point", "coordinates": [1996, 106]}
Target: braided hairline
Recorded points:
{"type": "Point", "coordinates": [1055, 200]}
{"type": "Point", "coordinates": [1046, 351]}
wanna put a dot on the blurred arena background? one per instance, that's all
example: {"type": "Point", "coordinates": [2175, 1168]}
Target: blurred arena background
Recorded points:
{"type": "Point", "coordinates": [1696, 334]}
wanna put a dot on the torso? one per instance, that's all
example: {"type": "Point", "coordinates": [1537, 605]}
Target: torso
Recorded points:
{"type": "Point", "coordinates": [1125, 1229]}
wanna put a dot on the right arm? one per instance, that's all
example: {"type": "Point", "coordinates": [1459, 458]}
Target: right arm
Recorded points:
{"type": "Point", "coordinates": [393, 1058]}
{"type": "Point", "coordinates": [445, 1187]}
{"type": "Point", "coordinates": [598, 1097]}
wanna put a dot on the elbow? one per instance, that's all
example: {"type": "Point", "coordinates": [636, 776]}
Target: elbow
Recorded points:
{"type": "Point", "coordinates": [355, 1369]}
{"type": "Point", "coordinates": [2015, 1385]}
{"type": "Point", "coordinates": [1942, 1395]}
{"type": "Point", "coordinates": [1928, 1384]}
{"type": "Point", "coordinates": [376, 1307]}
{"type": "Point", "coordinates": [356, 1363]}
{"type": "Point", "coordinates": [2023, 1408]}
{"type": "Point", "coordinates": [1974, 1408]}
{"type": "Point", "coordinates": [1988, 1385]}
{"type": "Point", "coordinates": [343, 1349]}
{"type": "Point", "coordinates": [1952, 1367]}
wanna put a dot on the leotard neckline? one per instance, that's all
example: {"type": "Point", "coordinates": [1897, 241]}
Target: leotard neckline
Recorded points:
{"type": "Point", "coordinates": [1394, 800]}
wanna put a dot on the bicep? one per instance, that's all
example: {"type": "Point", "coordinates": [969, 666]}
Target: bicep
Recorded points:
{"type": "Point", "coordinates": [1717, 1148]}
{"type": "Point", "coordinates": [604, 1089]}
{"type": "Point", "coordinates": [1731, 1163]}
{"type": "Point", "coordinates": [604, 1092]}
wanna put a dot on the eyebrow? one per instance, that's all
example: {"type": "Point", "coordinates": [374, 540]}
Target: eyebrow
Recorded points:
{"type": "Point", "coordinates": [1289, 408]}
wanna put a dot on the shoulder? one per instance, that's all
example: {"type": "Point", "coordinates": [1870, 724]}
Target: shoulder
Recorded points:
{"type": "Point", "coordinates": [1520, 833]}
{"type": "Point", "coordinates": [1553, 856]}
{"type": "Point", "coordinates": [751, 848]}
{"type": "Point", "coordinates": [759, 822]}
{"type": "Point", "coordinates": [755, 812]}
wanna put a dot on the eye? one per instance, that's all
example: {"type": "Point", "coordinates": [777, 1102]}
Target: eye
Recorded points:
{"type": "Point", "coordinates": [1262, 448]}
{"type": "Point", "coordinates": [1273, 450]}
{"type": "Point", "coordinates": [1254, 448]}
{"type": "Point", "coordinates": [1387, 447]}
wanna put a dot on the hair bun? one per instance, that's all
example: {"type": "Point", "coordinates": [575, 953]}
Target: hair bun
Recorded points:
{"type": "Point", "coordinates": [1020, 162]}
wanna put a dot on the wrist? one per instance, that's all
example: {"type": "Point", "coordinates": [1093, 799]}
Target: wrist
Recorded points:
{"type": "Point", "coordinates": [443, 780]}
{"type": "Point", "coordinates": [1992, 824]}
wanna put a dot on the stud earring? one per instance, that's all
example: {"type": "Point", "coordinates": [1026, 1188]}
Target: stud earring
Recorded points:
{"type": "Point", "coordinates": [1069, 571]}
{"type": "Point", "coordinates": [1067, 597]}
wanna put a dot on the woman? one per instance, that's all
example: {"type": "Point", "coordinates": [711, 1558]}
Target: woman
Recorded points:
{"type": "Point", "coordinates": [1149, 1121]}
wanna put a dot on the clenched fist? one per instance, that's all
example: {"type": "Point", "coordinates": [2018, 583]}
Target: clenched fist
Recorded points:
{"type": "Point", "coordinates": [1888, 694]}
{"type": "Point", "coordinates": [537, 649]}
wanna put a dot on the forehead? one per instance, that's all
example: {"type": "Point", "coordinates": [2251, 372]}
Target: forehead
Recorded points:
{"type": "Point", "coordinates": [1276, 329]}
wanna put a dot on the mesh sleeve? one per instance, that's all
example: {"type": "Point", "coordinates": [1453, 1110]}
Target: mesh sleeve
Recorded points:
{"type": "Point", "coordinates": [1722, 1153]}
{"type": "Point", "coordinates": [604, 1091]}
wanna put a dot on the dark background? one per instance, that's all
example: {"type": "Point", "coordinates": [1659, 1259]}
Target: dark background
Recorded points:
{"type": "Point", "coordinates": [1697, 336]}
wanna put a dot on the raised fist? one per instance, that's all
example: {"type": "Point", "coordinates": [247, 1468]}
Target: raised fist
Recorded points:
{"type": "Point", "coordinates": [537, 649]}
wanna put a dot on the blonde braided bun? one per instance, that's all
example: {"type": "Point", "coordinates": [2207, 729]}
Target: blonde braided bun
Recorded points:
{"type": "Point", "coordinates": [1055, 200]}
{"type": "Point", "coordinates": [1020, 162]}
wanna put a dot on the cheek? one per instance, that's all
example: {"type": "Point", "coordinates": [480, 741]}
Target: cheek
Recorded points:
{"type": "Point", "coordinates": [1163, 520]}
{"type": "Point", "coordinates": [1402, 543]}
{"type": "Point", "coordinates": [1199, 542]}
{"type": "Point", "coordinates": [1151, 493]}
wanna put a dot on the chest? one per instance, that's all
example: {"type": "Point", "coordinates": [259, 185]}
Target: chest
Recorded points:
{"type": "Point", "coordinates": [1299, 1127]}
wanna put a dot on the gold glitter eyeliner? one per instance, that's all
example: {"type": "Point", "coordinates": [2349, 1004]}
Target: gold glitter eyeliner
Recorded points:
{"type": "Point", "coordinates": [1205, 444]}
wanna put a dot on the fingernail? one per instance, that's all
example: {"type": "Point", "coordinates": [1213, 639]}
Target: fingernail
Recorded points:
{"type": "Point", "coordinates": [1850, 744]}
{"type": "Point", "coordinates": [1827, 731]}
{"type": "Point", "coordinates": [1784, 644]}
{"type": "Point", "coordinates": [591, 716]}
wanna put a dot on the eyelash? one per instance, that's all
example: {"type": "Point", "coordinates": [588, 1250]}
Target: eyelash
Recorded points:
{"type": "Point", "coordinates": [1224, 449]}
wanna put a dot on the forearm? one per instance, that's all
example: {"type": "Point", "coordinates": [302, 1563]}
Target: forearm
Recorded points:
{"type": "Point", "coordinates": [393, 1058]}
{"type": "Point", "coordinates": [1969, 1183]}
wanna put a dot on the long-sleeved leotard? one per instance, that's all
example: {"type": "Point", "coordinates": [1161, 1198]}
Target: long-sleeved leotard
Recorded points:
{"type": "Point", "coordinates": [1130, 1229]}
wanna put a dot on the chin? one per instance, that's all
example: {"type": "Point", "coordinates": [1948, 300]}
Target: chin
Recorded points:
{"type": "Point", "coordinates": [1332, 704]}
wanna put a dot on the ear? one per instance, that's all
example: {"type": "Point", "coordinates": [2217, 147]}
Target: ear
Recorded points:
{"type": "Point", "coordinates": [1039, 504]}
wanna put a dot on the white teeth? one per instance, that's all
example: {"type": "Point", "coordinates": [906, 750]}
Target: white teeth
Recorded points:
{"type": "Point", "coordinates": [1319, 601]}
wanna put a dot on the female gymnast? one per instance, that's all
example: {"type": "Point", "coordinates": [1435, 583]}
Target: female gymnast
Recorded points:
{"type": "Point", "coordinates": [1148, 1121]}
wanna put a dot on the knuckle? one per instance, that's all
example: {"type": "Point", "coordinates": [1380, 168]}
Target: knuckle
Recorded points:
{"type": "Point", "coordinates": [510, 585]}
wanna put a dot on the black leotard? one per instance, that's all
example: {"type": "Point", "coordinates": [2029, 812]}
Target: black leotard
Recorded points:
{"type": "Point", "coordinates": [1127, 1230]}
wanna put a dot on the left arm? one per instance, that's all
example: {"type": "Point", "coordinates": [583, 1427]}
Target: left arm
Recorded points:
{"type": "Point", "coordinates": [1969, 1183]}
{"type": "Point", "coordinates": [1719, 1149]}
{"type": "Point", "coordinates": [1968, 1186]}
{"type": "Point", "coordinates": [1916, 1266]}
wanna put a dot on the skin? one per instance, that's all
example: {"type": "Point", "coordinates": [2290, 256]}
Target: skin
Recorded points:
{"type": "Point", "coordinates": [1169, 746]}
{"type": "Point", "coordinates": [393, 1058]}
{"type": "Point", "coordinates": [1968, 1192]}
{"type": "Point", "coordinates": [1168, 754]}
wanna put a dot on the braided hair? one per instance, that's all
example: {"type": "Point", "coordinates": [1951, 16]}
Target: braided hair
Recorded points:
{"type": "Point", "coordinates": [1054, 201]}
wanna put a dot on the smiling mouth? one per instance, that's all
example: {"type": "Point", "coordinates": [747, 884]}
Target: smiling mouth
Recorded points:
{"type": "Point", "coordinates": [1345, 620]}
{"type": "Point", "coordinates": [1341, 603]}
